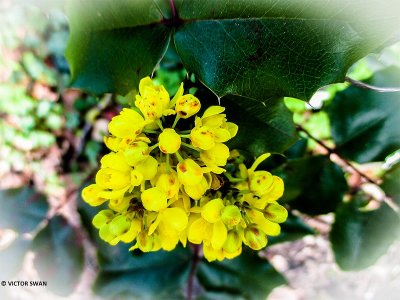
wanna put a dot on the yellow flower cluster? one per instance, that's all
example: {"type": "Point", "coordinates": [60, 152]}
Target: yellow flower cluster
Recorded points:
{"type": "Point", "coordinates": [161, 183]}
{"type": "Point", "coordinates": [222, 224]}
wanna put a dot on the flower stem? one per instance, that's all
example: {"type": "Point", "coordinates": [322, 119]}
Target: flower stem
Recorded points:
{"type": "Point", "coordinates": [178, 156]}
{"type": "Point", "coordinates": [175, 121]}
{"type": "Point", "coordinates": [168, 163]}
{"type": "Point", "coordinates": [233, 179]}
{"type": "Point", "coordinates": [159, 124]}
{"type": "Point", "coordinates": [153, 147]}
{"type": "Point", "coordinates": [190, 146]}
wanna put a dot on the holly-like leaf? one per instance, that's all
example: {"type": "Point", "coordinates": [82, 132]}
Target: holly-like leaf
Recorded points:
{"type": "Point", "coordinates": [22, 209]}
{"type": "Point", "coordinates": [156, 275]}
{"type": "Point", "coordinates": [245, 277]}
{"type": "Point", "coordinates": [365, 123]}
{"type": "Point", "coordinates": [360, 237]}
{"type": "Point", "coordinates": [59, 255]}
{"type": "Point", "coordinates": [258, 49]}
{"type": "Point", "coordinates": [313, 185]}
{"type": "Point", "coordinates": [270, 48]}
{"type": "Point", "coordinates": [263, 126]}
{"type": "Point", "coordinates": [113, 44]}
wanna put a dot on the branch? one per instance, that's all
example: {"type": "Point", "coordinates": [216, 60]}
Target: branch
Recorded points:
{"type": "Point", "coordinates": [193, 269]}
{"type": "Point", "coordinates": [371, 87]}
{"type": "Point", "coordinates": [389, 201]}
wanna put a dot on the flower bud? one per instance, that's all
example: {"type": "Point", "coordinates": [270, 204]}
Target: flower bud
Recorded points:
{"type": "Point", "coordinates": [211, 211]}
{"type": "Point", "coordinates": [255, 238]}
{"type": "Point", "coordinates": [129, 235]}
{"type": "Point", "coordinates": [169, 141]}
{"type": "Point", "coordinates": [102, 217]}
{"type": "Point", "coordinates": [231, 215]}
{"type": "Point", "coordinates": [145, 242]}
{"type": "Point", "coordinates": [187, 106]}
{"type": "Point", "coordinates": [275, 213]}
{"type": "Point", "coordinates": [189, 172]}
{"type": "Point", "coordinates": [154, 199]}
{"type": "Point", "coordinates": [90, 195]}
{"type": "Point", "coordinates": [233, 241]}
{"type": "Point", "coordinates": [197, 191]}
{"type": "Point", "coordinates": [147, 167]}
{"type": "Point", "coordinates": [119, 225]}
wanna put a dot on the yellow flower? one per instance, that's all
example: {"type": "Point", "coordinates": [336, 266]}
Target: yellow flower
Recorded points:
{"type": "Point", "coordinates": [212, 128]}
{"type": "Point", "coordinates": [189, 172]}
{"type": "Point", "coordinates": [153, 100]}
{"type": "Point", "coordinates": [187, 106]}
{"type": "Point", "coordinates": [135, 152]}
{"type": "Point", "coordinates": [128, 124]}
{"type": "Point", "coordinates": [90, 195]}
{"type": "Point", "coordinates": [169, 184]}
{"type": "Point", "coordinates": [154, 199]}
{"type": "Point", "coordinates": [202, 137]}
{"type": "Point", "coordinates": [215, 157]}
{"type": "Point", "coordinates": [169, 141]}
{"type": "Point", "coordinates": [255, 238]}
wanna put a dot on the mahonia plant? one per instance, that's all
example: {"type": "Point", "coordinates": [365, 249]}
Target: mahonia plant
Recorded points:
{"type": "Point", "coordinates": [164, 185]}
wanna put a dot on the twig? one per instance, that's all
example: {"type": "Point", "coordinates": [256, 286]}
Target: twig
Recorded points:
{"type": "Point", "coordinates": [371, 87]}
{"type": "Point", "coordinates": [330, 151]}
{"type": "Point", "coordinates": [173, 9]}
{"type": "Point", "coordinates": [193, 269]}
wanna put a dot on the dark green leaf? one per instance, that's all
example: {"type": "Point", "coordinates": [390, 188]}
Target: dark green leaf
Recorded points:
{"type": "Point", "coordinates": [59, 255]}
{"type": "Point", "coordinates": [22, 209]}
{"type": "Point", "coordinates": [245, 277]}
{"type": "Point", "coordinates": [268, 49]}
{"type": "Point", "coordinates": [391, 184]}
{"type": "Point", "coordinates": [263, 127]}
{"type": "Point", "coordinates": [365, 123]}
{"type": "Point", "coordinates": [12, 257]}
{"type": "Point", "coordinates": [113, 44]}
{"type": "Point", "coordinates": [313, 185]}
{"type": "Point", "coordinates": [359, 237]}
{"type": "Point", "coordinates": [158, 275]}
{"type": "Point", "coordinates": [298, 149]}
{"type": "Point", "coordinates": [292, 229]}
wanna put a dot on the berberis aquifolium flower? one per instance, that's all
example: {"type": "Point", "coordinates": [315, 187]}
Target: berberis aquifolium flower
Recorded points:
{"type": "Point", "coordinates": [163, 184]}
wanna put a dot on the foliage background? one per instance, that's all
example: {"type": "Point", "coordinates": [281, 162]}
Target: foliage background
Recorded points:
{"type": "Point", "coordinates": [51, 138]}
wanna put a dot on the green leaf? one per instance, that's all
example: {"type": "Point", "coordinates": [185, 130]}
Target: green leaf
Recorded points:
{"type": "Point", "coordinates": [365, 123]}
{"type": "Point", "coordinates": [269, 49]}
{"type": "Point", "coordinates": [359, 237]}
{"type": "Point", "coordinates": [113, 44]}
{"type": "Point", "coordinates": [157, 275]}
{"type": "Point", "coordinates": [245, 277]}
{"type": "Point", "coordinates": [12, 257]}
{"type": "Point", "coordinates": [263, 126]}
{"type": "Point", "coordinates": [292, 229]}
{"type": "Point", "coordinates": [22, 209]}
{"type": "Point", "coordinates": [253, 48]}
{"type": "Point", "coordinates": [59, 255]}
{"type": "Point", "coordinates": [313, 185]}
{"type": "Point", "coordinates": [391, 184]}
